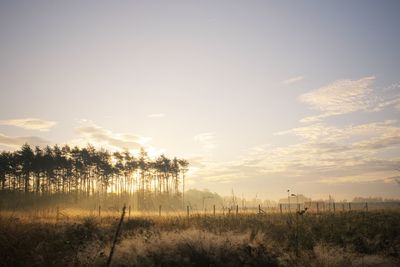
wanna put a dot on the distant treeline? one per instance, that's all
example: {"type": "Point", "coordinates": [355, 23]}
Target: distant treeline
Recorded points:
{"type": "Point", "coordinates": [88, 171]}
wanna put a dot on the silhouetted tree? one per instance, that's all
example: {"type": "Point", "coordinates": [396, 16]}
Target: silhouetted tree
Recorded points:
{"type": "Point", "coordinates": [87, 171]}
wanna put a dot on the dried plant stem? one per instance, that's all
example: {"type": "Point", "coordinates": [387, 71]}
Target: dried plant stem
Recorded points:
{"type": "Point", "coordinates": [116, 237]}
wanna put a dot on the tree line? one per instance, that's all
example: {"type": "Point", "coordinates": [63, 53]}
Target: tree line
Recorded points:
{"type": "Point", "coordinates": [89, 171]}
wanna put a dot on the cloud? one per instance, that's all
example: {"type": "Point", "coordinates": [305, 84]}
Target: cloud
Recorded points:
{"type": "Point", "coordinates": [362, 153]}
{"type": "Point", "coordinates": [99, 136]}
{"type": "Point", "coordinates": [328, 151]}
{"type": "Point", "coordinates": [384, 141]}
{"type": "Point", "coordinates": [321, 161]}
{"type": "Point", "coordinates": [17, 141]}
{"type": "Point", "coordinates": [384, 103]}
{"type": "Point", "coordinates": [389, 97]}
{"type": "Point", "coordinates": [206, 140]}
{"type": "Point", "coordinates": [340, 97]}
{"type": "Point", "coordinates": [293, 80]}
{"type": "Point", "coordinates": [326, 133]}
{"type": "Point", "coordinates": [315, 132]}
{"type": "Point", "coordinates": [364, 178]}
{"type": "Point", "coordinates": [156, 115]}
{"type": "Point", "coordinates": [324, 154]}
{"type": "Point", "coordinates": [204, 169]}
{"type": "Point", "coordinates": [392, 179]}
{"type": "Point", "coordinates": [30, 124]}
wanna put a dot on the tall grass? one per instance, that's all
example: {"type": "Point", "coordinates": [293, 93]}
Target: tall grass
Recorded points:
{"type": "Point", "coordinates": [341, 239]}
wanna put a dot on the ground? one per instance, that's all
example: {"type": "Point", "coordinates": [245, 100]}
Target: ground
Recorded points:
{"type": "Point", "coordinates": [352, 238]}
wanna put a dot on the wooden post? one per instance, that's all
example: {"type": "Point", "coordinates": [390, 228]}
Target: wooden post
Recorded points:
{"type": "Point", "coordinates": [349, 206]}
{"type": "Point", "coordinates": [280, 207]}
{"type": "Point", "coordinates": [259, 208]}
{"type": "Point", "coordinates": [99, 211]}
{"type": "Point", "coordinates": [129, 211]}
{"type": "Point", "coordinates": [57, 216]}
{"type": "Point", "coordinates": [237, 209]}
{"type": "Point", "coordinates": [214, 210]}
{"type": "Point", "coordinates": [366, 206]}
{"type": "Point", "coordinates": [334, 207]}
{"type": "Point", "coordinates": [159, 210]}
{"type": "Point", "coordinates": [187, 210]}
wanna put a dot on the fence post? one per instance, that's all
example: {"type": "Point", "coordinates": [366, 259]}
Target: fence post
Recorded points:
{"type": "Point", "coordinates": [99, 211]}
{"type": "Point", "coordinates": [334, 207]}
{"type": "Point", "coordinates": [349, 206]}
{"type": "Point", "coordinates": [259, 208]}
{"type": "Point", "coordinates": [159, 210]}
{"type": "Point", "coordinates": [129, 211]}
{"type": "Point", "coordinates": [237, 209]}
{"type": "Point", "coordinates": [187, 210]}
{"type": "Point", "coordinates": [57, 216]}
{"type": "Point", "coordinates": [366, 206]}
{"type": "Point", "coordinates": [214, 210]}
{"type": "Point", "coordinates": [280, 208]}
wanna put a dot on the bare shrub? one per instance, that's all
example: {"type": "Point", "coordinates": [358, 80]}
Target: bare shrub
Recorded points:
{"type": "Point", "coordinates": [329, 256]}
{"type": "Point", "coordinates": [194, 248]}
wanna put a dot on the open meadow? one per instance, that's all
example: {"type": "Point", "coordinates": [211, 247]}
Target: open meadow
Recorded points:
{"type": "Point", "coordinates": [70, 238]}
{"type": "Point", "coordinates": [229, 133]}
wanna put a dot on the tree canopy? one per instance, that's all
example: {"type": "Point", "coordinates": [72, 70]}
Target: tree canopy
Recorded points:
{"type": "Point", "coordinates": [89, 171]}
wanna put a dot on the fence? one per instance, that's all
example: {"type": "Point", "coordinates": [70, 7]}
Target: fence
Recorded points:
{"type": "Point", "coordinates": [59, 213]}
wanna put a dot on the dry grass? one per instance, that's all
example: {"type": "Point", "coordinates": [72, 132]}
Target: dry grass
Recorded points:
{"type": "Point", "coordinates": [346, 239]}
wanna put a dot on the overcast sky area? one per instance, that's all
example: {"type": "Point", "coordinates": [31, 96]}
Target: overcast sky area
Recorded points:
{"type": "Point", "coordinates": [259, 96]}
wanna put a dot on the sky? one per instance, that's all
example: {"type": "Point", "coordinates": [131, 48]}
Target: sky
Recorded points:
{"type": "Point", "coordinates": [259, 96]}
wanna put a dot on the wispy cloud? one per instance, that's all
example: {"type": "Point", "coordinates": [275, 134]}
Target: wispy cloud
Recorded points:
{"type": "Point", "coordinates": [207, 140]}
{"type": "Point", "coordinates": [325, 154]}
{"type": "Point", "coordinates": [99, 136]}
{"type": "Point", "coordinates": [293, 80]}
{"type": "Point", "coordinates": [30, 123]}
{"type": "Point", "coordinates": [340, 97]}
{"type": "Point", "coordinates": [328, 133]}
{"type": "Point", "coordinates": [221, 172]}
{"type": "Point", "coordinates": [392, 179]}
{"type": "Point", "coordinates": [156, 115]}
{"type": "Point", "coordinates": [328, 151]}
{"type": "Point", "coordinates": [394, 101]}
{"type": "Point", "coordinates": [356, 179]}
{"type": "Point", "coordinates": [17, 141]}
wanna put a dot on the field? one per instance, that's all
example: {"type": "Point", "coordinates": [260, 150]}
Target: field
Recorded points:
{"type": "Point", "coordinates": [73, 238]}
